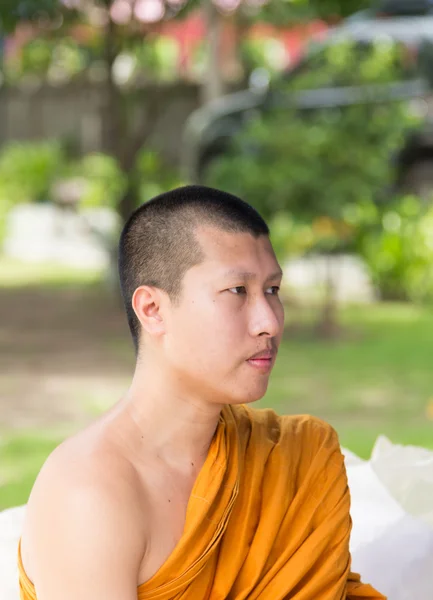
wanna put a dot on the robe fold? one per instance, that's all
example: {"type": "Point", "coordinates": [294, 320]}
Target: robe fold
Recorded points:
{"type": "Point", "coordinates": [267, 519]}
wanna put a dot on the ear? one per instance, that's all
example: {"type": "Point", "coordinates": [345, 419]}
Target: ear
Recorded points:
{"type": "Point", "coordinates": [147, 306]}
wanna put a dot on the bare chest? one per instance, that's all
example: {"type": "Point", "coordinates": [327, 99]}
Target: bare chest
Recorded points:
{"type": "Point", "coordinates": [167, 499]}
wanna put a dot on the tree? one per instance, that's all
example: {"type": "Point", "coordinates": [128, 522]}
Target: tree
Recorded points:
{"type": "Point", "coordinates": [123, 22]}
{"type": "Point", "coordinates": [293, 11]}
{"type": "Point", "coordinates": [323, 177]}
{"type": "Point", "coordinates": [13, 12]}
{"type": "Point", "coordinates": [120, 24]}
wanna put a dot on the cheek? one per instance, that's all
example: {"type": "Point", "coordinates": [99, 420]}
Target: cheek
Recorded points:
{"type": "Point", "coordinates": [207, 332]}
{"type": "Point", "coordinates": [280, 316]}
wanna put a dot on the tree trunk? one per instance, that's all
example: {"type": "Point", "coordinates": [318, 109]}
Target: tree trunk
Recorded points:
{"type": "Point", "coordinates": [130, 200]}
{"type": "Point", "coordinates": [124, 140]}
{"type": "Point", "coordinates": [113, 110]}
{"type": "Point", "coordinates": [213, 84]}
{"type": "Point", "coordinates": [328, 326]}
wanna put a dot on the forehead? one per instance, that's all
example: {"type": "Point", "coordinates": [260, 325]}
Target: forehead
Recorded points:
{"type": "Point", "coordinates": [235, 250]}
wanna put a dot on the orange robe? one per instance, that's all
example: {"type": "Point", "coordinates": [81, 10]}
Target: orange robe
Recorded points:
{"type": "Point", "coordinates": [268, 518]}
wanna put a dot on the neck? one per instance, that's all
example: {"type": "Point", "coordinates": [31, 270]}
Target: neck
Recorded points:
{"type": "Point", "coordinates": [163, 416]}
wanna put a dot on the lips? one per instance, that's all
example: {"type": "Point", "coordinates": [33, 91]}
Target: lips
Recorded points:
{"type": "Point", "coordinates": [262, 360]}
{"type": "Point", "coordinates": [263, 355]}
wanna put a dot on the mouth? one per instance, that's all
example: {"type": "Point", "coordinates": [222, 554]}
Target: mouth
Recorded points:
{"type": "Point", "coordinates": [262, 361]}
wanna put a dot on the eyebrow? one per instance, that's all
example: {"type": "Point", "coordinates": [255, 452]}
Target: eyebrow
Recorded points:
{"type": "Point", "coordinates": [246, 275]}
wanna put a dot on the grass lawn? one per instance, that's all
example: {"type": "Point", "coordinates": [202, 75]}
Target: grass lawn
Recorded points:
{"type": "Point", "coordinates": [15, 274]}
{"type": "Point", "coordinates": [21, 456]}
{"type": "Point", "coordinates": [376, 380]}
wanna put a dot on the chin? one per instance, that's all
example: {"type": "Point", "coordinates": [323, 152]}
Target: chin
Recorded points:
{"type": "Point", "coordinates": [251, 396]}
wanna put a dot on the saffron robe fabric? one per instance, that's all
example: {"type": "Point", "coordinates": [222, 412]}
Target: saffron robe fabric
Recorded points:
{"type": "Point", "coordinates": [268, 518]}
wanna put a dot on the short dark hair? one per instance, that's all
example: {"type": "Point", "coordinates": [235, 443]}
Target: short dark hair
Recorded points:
{"type": "Point", "coordinates": [157, 245]}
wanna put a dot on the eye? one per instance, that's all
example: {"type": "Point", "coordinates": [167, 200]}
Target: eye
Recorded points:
{"type": "Point", "coordinates": [238, 290]}
{"type": "Point", "coordinates": [274, 290]}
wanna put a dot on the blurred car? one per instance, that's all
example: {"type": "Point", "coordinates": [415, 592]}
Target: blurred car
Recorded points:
{"type": "Point", "coordinates": [210, 129]}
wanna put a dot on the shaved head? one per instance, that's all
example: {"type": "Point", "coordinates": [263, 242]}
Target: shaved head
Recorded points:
{"type": "Point", "coordinates": [158, 244]}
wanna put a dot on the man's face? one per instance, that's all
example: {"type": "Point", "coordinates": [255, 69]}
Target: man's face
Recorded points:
{"type": "Point", "coordinates": [229, 311]}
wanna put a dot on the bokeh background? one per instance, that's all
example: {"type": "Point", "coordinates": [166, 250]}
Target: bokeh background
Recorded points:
{"type": "Point", "coordinates": [318, 113]}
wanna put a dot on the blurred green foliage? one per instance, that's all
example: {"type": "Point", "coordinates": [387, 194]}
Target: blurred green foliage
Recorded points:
{"type": "Point", "coordinates": [319, 163]}
{"type": "Point", "coordinates": [399, 251]}
{"type": "Point", "coordinates": [154, 176]}
{"type": "Point", "coordinates": [28, 169]}
{"type": "Point", "coordinates": [265, 53]}
{"type": "Point", "coordinates": [63, 58]}
{"type": "Point", "coordinates": [104, 181]}
{"type": "Point", "coordinates": [157, 58]}
{"type": "Point", "coordinates": [27, 172]}
{"type": "Point", "coordinates": [13, 12]}
{"type": "Point", "coordinates": [325, 178]}
{"type": "Point", "coordinates": [289, 11]}
{"type": "Point", "coordinates": [55, 51]}
{"type": "Point", "coordinates": [30, 172]}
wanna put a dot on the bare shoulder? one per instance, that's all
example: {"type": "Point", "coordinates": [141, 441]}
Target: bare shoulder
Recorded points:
{"type": "Point", "coordinates": [87, 465]}
{"type": "Point", "coordinates": [85, 512]}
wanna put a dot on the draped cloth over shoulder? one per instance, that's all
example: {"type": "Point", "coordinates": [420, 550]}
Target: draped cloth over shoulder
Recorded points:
{"type": "Point", "coordinates": [268, 518]}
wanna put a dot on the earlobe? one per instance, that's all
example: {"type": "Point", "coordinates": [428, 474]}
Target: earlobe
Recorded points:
{"type": "Point", "coordinates": [146, 303]}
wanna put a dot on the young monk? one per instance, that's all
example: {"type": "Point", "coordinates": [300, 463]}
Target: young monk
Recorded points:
{"type": "Point", "coordinates": [181, 490]}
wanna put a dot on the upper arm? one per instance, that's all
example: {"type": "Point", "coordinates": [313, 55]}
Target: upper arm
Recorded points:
{"type": "Point", "coordinates": [85, 538]}
{"type": "Point", "coordinates": [329, 487]}
{"type": "Point", "coordinates": [332, 522]}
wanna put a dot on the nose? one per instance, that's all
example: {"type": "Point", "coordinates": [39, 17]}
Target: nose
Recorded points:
{"type": "Point", "coordinates": [266, 317]}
